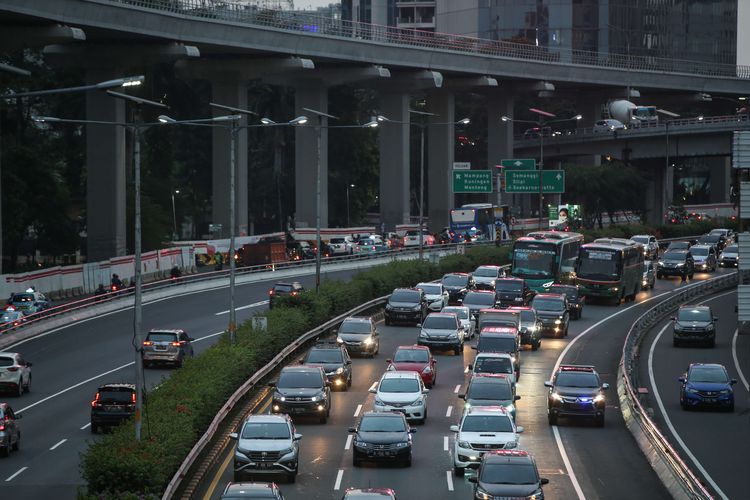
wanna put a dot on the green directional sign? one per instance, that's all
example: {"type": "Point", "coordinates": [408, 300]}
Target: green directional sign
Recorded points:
{"type": "Point", "coordinates": [472, 181]}
{"type": "Point", "coordinates": [519, 164]}
{"type": "Point", "coordinates": [527, 181]}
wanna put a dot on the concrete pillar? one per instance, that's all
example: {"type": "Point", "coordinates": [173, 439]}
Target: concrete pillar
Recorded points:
{"type": "Point", "coordinates": [441, 144]}
{"type": "Point", "coordinates": [230, 92]}
{"type": "Point", "coordinates": [499, 141]}
{"type": "Point", "coordinates": [721, 179]}
{"type": "Point", "coordinates": [105, 166]}
{"type": "Point", "coordinates": [393, 140]}
{"type": "Point", "coordinates": [591, 112]}
{"type": "Point", "coordinates": [305, 153]}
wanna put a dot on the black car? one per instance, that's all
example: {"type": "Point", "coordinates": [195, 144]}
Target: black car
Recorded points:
{"type": "Point", "coordinates": [252, 491]}
{"type": "Point", "coordinates": [359, 335]}
{"type": "Point", "coordinates": [552, 311]}
{"type": "Point", "coordinates": [508, 474]}
{"type": "Point", "coordinates": [717, 240]}
{"type": "Point", "coordinates": [575, 299]}
{"type": "Point", "coordinates": [302, 391]}
{"type": "Point", "coordinates": [512, 292]}
{"type": "Point", "coordinates": [112, 405]}
{"type": "Point", "coordinates": [576, 391]}
{"type": "Point", "coordinates": [476, 300]}
{"type": "Point", "coordinates": [406, 305]}
{"type": "Point", "coordinates": [382, 436]}
{"type": "Point", "coordinates": [694, 324]}
{"type": "Point", "coordinates": [531, 327]}
{"type": "Point", "coordinates": [457, 284]}
{"type": "Point", "coordinates": [284, 289]}
{"type": "Point", "coordinates": [676, 263]}
{"type": "Point", "coordinates": [335, 361]}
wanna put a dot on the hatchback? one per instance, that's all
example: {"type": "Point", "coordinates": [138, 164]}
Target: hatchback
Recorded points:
{"type": "Point", "coordinates": [508, 474]}
{"type": "Point", "coordinates": [708, 385]}
{"type": "Point", "coordinates": [382, 437]}
{"type": "Point", "coordinates": [415, 358]}
{"type": "Point", "coordinates": [403, 392]}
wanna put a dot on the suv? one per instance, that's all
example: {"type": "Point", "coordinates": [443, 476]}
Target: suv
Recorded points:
{"type": "Point", "coordinates": [650, 245]}
{"type": "Point", "coordinates": [238, 491]}
{"type": "Point", "coordinates": [530, 328]}
{"type": "Point", "coordinates": [508, 474]}
{"type": "Point", "coordinates": [442, 331]}
{"type": "Point", "coordinates": [717, 240]}
{"type": "Point", "coordinates": [482, 429]}
{"type": "Point", "coordinates": [302, 390]}
{"type": "Point", "coordinates": [112, 405]}
{"type": "Point", "coordinates": [694, 324]}
{"type": "Point", "coordinates": [15, 373]}
{"type": "Point", "coordinates": [706, 384]}
{"type": "Point", "coordinates": [512, 292]}
{"type": "Point", "coordinates": [402, 392]}
{"type": "Point", "coordinates": [675, 263]}
{"type": "Point", "coordinates": [494, 363]}
{"type": "Point", "coordinates": [704, 257]}
{"type": "Point", "coordinates": [359, 335]}
{"type": "Point", "coordinates": [10, 434]}
{"type": "Point", "coordinates": [335, 361]}
{"type": "Point", "coordinates": [166, 346]}
{"type": "Point", "coordinates": [573, 294]}
{"type": "Point", "coordinates": [464, 317]}
{"type": "Point", "coordinates": [382, 436]}
{"type": "Point", "coordinates": [281, 289]}
{"type": "Point", "coordinates": [341, 246]}
{"type": "Point", "coordinates": [457, 284]}
{"type": "Point", "coordinates": [501, 339]}
{"type": "Point", "coordinates": [485, 277]}
{"type": "Point", "coordinates": [406, 305]}
{"type": "Point", "coordinates": [29, 302]}
{"type": "Point", "coordinates": [476, 300]}
{"type": "Point", "coordinates": [435, 294]}
{"type": "Point", "coordinates": [552, 310]}
{"type": "Point", "coordinates": [491, 389]}
{"type": "Point", "coordinates": [576, 391]}
{"type": "Point", "coordinates": [266, 444]}
{"type": "Point", "coordinates": [729, 257]}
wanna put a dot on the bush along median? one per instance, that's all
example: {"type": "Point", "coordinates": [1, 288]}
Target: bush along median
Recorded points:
{"type": "Point", "coordinates": [177, 414]}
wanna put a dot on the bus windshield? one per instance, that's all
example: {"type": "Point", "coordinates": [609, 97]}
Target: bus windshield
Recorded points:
{"type": "Point", "coordinates": [599, 264]}
{"type": "Point", "coordinates": [534, 260]}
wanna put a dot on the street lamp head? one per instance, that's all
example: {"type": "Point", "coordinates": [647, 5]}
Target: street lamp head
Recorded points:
{"type": "Point", "coordinates": [700, 118]}
{"type": "Point", "coordinates": [45, 119]}
{"type": "Point", "coordinates": [505, 119]}
{"type": "Point", "coordinates": [267, 121]}
{"type": "Point", "coordinates": [463, 121]}
{"type": "Point", "coordinates": [351, 185]}
{"type": "Point", "coordinates": [166, 119]}
{"type": "Point", "coordinates": [226, 118]}
{"type": "Point", "coordinates": [300, 120]}
{"type": "Point", "coordinates": [382, 118]}
{"type": "Point", "coordinates": [371, 124]}
{"type": "Point", "coordinates": [577, 117]}
{"type": "Point", "coordinates": [128, 81]}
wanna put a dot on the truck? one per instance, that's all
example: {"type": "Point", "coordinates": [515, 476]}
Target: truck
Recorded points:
{"type": "Point", "coordinates": [632, 115]}
{"type": "Point", "coordinates": [263, 253]}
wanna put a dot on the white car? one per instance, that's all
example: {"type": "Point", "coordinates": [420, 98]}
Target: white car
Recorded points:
{"type": "Point", "coordinates": [482, 429]}
{"type": "Point", "coordinates": [485, 277]}
{"type": "Point", "coordinates": [403, 392]}
{"type": "Point", "coordinates": [411, 239]}
{"type": "Point", "coordinates": [15, 373]}
{"type": "Point", "coordinates": [464, 317]}
{"type": "Point", "coordinates": [609, 125]}
{"type": "Point", "coordinates": [341, 246]}
{"type": "Point", "coordinates": [495, 362]}
{"type": "Point", "coordinates": [650, 245]}
{"type": "Point", "coordinates": [436, 295]}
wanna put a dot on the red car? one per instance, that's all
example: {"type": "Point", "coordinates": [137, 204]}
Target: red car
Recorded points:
{"type": "Point", "coordinates": [415, 358]}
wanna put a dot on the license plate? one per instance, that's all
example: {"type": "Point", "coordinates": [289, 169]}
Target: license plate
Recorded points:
{"type": "Point", "coordinates": [160, 348]}
{"type": "Point", "coordinates": [709, 400]}
{"type": "Point", "coordinates": [264, 465]}
{"type": "Point", "coordinates": [298, 410]}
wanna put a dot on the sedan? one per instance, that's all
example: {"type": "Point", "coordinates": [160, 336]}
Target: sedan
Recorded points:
{"type": "Point", "coordinates": [609, 125]}
{"type": "Point", "coordinates": [415, 358]}
{"type": "Point", "coordinates": [706, 384]}
{"type": "Point", "coordinates": [15, 373]}
{"type": "Point", "coordinates": [384, 437]}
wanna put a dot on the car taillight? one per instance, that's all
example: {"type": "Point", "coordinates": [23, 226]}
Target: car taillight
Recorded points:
{"type": "Point", "coordinates": [373, 248]}
{"type": "Point", "coordinates": [293, 294]}
{"type": "Point", "coordinates": [2, 427]}
{"type": "Point", "coordinates": [147, 342]}
{"type": "Point", "coordinates": [12, 368]}
{"type": "Point", "coordinates": [175, 344]}
{"type": "Point", "coordinates": [133, 398]}
{"type": "Point", "coordinates": [271, 292]}
{"type": "Point", "coordinates": [95, 401]}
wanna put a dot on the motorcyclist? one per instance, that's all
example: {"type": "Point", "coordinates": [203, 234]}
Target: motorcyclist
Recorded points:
{"type": "Point", "coordinates": [175, 273]}
{"type": "Point", "coordinates": [116, 283]}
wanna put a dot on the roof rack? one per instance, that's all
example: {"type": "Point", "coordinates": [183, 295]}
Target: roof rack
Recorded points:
{"type": "Point", "coordinates": [576, 368]}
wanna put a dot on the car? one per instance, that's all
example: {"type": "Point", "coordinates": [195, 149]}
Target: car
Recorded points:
{"type": "Point", "coordinates": [369, 494]}
{"type": "Point", "coordinates": [112, 405]}
{"type": "Point", "coordinates": [728, 234]}
{"type": "Point", "coordinates": [649, 275]}
{"type": "Point", "coordinates": [370, 245]}
{"type": "Point", "coordinates": [300, 250]}
{"type": "Point", "coordinates": [536, 132]}
{"type": "Point", "coordinates": [512, 292]}
{"type": "Point", "coordinates": [334, 359]}
{"type": "Point", "coordinates": [572, 293]}
{"type": "Point", "coordinates": [382, 436]}
{"type": "Point", "coordinates": [302, 391]}
{"type": "Point", "coordinates": [436, 295]}
{"type": "Point", "coordinates": [508, 474]}
{"type": "Point", "coordinates": [248, 490]}
{"type": "Point", "coordinates": [476, 300]}
{"type": "Point", "coordinates": [393, 240]}
{"type": "Point", "coordinates": [715, 239]}
{"type": "Point", "coordinates": [552, 310]}
{"type": "Point", "coordinates": [491, 389]}
{"type": "Point", "coordinates": [694, 324]}
{"type": "Point", "coordinates": [608, 125]}
{"type": "Point", "coordinates": [464, 317]}
{"type": "Point", "coordinates": [11, 319]}
{"type": "Point", "coordinates": [407, 305]}
{"type": "Point", "coordinates": [442, 331]}
{"type": "Point", "coordinates": [650, 245]}
{"type": "Point", "coordinates": [415, 358]}
{"type": "Point", "coordinates": [482, 429]}
{"type": "Point", "coordinates": [730, 256]}
{"type": "Point", "coordinates": [530, 327]}
{"type": "Point", "coordinates": [676, 263]}
{"type": "Point", "coordinates": [498, 317]}
{"type": "Point", "coordinates": [494, 363]}
{"type": "Point", "coordinates": [485, 277]}
{"type": "Point", "coordinates": [15, 373]}
{"type": "Point", "coordinates": [679, 245]}
{"type": "Point", "coordinates": [359, 335]}
{"type": "Point", "coordinates": [704, 257]}
{"type": "Point", "coordinates": [29, 302]}
{"type": "Point", "coordinates": [341, 246]}
{"type": "Point", "coordinates": [10, 431]}
{"type": "Point", "coordinates": [404, 392]}
{"type": "Point", "coordinates": [457, 284]}
{"type": "Point", "coordinates": [167, 346]}
{"type": "Point", "coordinates": [501, 339]}
{"type": "Point", "coordinates": [576, 391]}
{"type": "Point", "coordinates": [284, 289]}
{"type": "Point", "coordinates": [706, 384]}
{"type": "Point", "coordinates": [411, 238]}
{"type": "Point", "coordinates": [266, 444]}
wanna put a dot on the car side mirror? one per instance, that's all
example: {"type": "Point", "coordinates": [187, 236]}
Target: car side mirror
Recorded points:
{"type": "Point", "coordinates": [605, 386]}
{"type": "Point", "coordinates": [543, 480]}
{"type": "Point", "coordinates": [352, 429]}
{"type": "Point", "coordinates": [419, 325]}
{"type": "Point", "coordinates": [234, 435]}
{"type": "Point", "coordinates": [412, 430]}
{"type": "Point", "coordinates": [673, 318]}
{"type": "Point", "coordinates": [519, 429]}
{"type": "Point", "coordinates": [472, 479]}
{"type": "Point", "coordinates": [733, 381]}
{"type": "Point", "coordinates": [389, 361]}
{"type": "Point", "coordinates": [335, 331]}
{"type": "Point", "coordinates": [373, 390]}
{"type": "Point", "coordinates": [297, 437]}
{"type": "Point", "coordinates": [716, 318]}
{"type": "Point", "coordinates": [425, 391]}
{"type": "Point", "coordinates": [462, 396]}
{"type": "Point", "coordinates": [470, 366]}
{"type": "Point", "coordinates": [517, 398]}
{"type": "Point", "coordinates": [29, 364]}
{"type": "Point", "coordinates": [453, 428]}
{"type": "Point", "coordinates": [547, 383]}
{"type": "Point", "coordinates": [681, 379]}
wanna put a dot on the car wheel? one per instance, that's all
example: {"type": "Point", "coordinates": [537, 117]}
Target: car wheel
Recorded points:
{"type": "Point", "coordinates": [683, 406]}
{"type": "Point", "coordinates": [690, 276]}
{"type": "Point", "coordinates": [535, 347]}
{"type": "Point", "coordinates": [27, 387]}
{"type": "Point", "coordinates": [356, 462]}
{"type": "Point", "coordinates": [712, 343]}
{"type": "Point", "coordinates": [5, 451]}
{"type": "Point", "coordinates": [675, 343]}
{"type": "Point", "coordinates": [349, 381]}
{"type": "Point", "coordinates": [94, 429]}
{"type": "Point", "coordinates": [387, 321]}
{"type": "Point", "coordinates": [424, 419]}
{"type": "Point", "coordinates": [579, 315]}
{"type": "Point", "coordinates": [407, 461]}
{"type": "Point", "coordinates": [19, 391]}
{"type": "Point", "coordinates": [730, 408]}
{"type": "Point", "coordinates": [658, 276]}
{"type": "Point", "coordinates": [566, 332]}
{"type": "Point", "coordinates": [457, 350]}
{"type": "Point", "coordinates": [552, 419]}
{"type": "Point", "coordinates": [459, 471]}
{"type": "Point", "coordinates": [17, 445]}
{"type": "Point", "coordinates": [599, 421]}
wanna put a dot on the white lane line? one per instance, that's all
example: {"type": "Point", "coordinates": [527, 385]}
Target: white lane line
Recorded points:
{"type": "Point", "coordinates": [445, 443]}
{"type": "Point", "coordinates": [466, 370]}
{"type": "Point", "coordinates": [348, 442]}
{"type": "Point", "coordinates": [449, 477]}
{"type": "Point", "coordinates": [86, 426]}
{"type": "Point", "coordinates": [10, 478]}
{"type": "Point", "coordinates": [449, 411]}
{"type": "Point", "coordinates": [666, 417]}
{"type": "Point", "coordinates": [373, 386]}
{"type": "Point", "coordinates": [458, 388]}
{"type": "Point", "coordinates": [566, 461]}
{"type": "Point", "coordinates": [356, 412]}
{"type": "Point", "coordinates": [339, 477]}
{"type": "Point", "coordinates": [737, 361]}
{"type": "Point", "coordinates": [58, 444]}
{"type": "Point", "coordinates": [254, 304]}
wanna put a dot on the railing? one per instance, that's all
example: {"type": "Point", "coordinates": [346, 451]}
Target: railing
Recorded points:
{"type": "Point", "coordinates": [671, 468]}
{"type": "Point", "coordinates": [326, 26]}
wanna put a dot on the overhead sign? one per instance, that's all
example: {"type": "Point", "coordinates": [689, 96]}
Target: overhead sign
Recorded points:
{"type": "Point", "coordinates": [527, 181]}
{"type": "Point", "coordinates": [472, 181]}
{"type": "Point", "coordinates": [519, 164]}
{"type": "Point", "coordinates": [461, 165]}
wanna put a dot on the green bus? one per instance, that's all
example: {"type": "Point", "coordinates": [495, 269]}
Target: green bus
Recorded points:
{"type": "Point", "coordinates": [545, 257]}
{"type": "Point", "coordinates": [610, 268]}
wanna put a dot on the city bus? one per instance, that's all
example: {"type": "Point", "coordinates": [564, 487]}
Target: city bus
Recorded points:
{"type": "Point", "coordinates": [475, 219]}
{"type": "Point", "coordinates": [610, 268]}
{"type": "Point", "coordinates": [546, 257]}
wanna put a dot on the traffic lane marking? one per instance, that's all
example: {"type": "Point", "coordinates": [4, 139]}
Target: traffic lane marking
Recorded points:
{"type": "Point", "coordinates": [348, 444]}
{"type": "Point", "coordinates": [449, 478]}
{"type": "Point", "coordinates": [737, 361]}
{"type": "Point", "coordinates": [458, 388]}
{"type": "Point", "coordinates": [449, 411]}
{"type": "Point", "coordinates": [86, 426]}
{"type": "Point", "coordinates": [359, 409]}
{"type": "Point", "coordinates": [373, 386]}
{"type": "Point", "coordinates": [445, 443]}
{"type": "Point", "coordinates": [12, 476]}
{"type": "Point", "coordinates": [339, 477]}
{"type": "Point", "coordinates": [57, 444]}
{"type": "Point", "coordinates": [249, 306]}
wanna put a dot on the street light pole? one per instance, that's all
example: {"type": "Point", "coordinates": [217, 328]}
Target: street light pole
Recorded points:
{"type": "Point", "coordinates": [233, 130]}
{"type": "Point", "coordinates": [541, 172]}
{"type": "Point", "coordinates": [174, 214]}
{"type": "Point", "coordinates": [421, 190]}
{"type": "Point", "coordinates": [137, 303]}
{"type": "Point", "coordinates": [348, 222]}
{"type": "Point", "coordinates": [319, 140]}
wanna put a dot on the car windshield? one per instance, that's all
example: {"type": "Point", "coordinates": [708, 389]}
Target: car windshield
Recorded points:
{"type": "Point", "coordinates": [710, 238]}
{"type": "Point", "coordinates": [324, 356]}
{"type": "Point", "coordinates": [679, 245]}
{"type": "Point", "coordinates": [509, 474]}
{"type": "Point", "coordinates": [731, 249]}
{"type": "Point", "coordinates": [640, 239]}
{"type": "Point", "coordinates": [508, 286]}
{"type": "Point", "coordinates": [336, 241]}
{"type": "Point", "coordinates": [570, 291]}
{"type": "Point", "coordinates": [674, 256]}
{"type": "Point", "coordinates": [542, 304]}
{"type": "Point", "coordinates": [534, 260]}
{"type": "Point", "coordinates": [699, 251]}
{"type": "Point", "coordinates": [162, 337]}
{"type": "Point", "coordinates": [460, 312]}
{"type": "Point", "coordinates": [399, 385]}
{"type": "Point", "coordinates": [598, 263]}
{"type": "Point", "coordinates": [430, 289]}
{"type": "Point", "coordinates": [496, 344]}
{"type": "Point", "coordinates": [116, 396]}
{"type": "Point", "coordinates": [300, 380]}
{"type": "Point", "coordinates": [10, 316]}
{"type": "Point", "coordinates": [577, 379]}
{"type": "Point", "coordinates": [708, 374]}
{"type": "Point", "coordinates": [441, 322]}
{"type": "Point", "coordinates": [487, 423]}
{"type": "Point", "coordinates": [687, 314]}
{"type": "Point", "coordinates": [282, 288]}
{"type": "Point", "coordinates": [528, 316]}
{"type": "Point", "coordinates": [491, 391]}
{"type": "Point", "coordinates": [405, 296]}
{"type": "Point", "coordinates": [265, 430]}
{"type": "Point", "coordinates": [411, 356]}
{"type": "Point", "coordinates": [486, 272]}
{"type": "Point", "coordinates": [374, 423]}
{"type": "Point", "coordinates": [23, 297]}
{"type": "Point", "coordinates": [355, 327]}
{"type": "Point", "coordinates": [455, 280]}
{"type": "Point", "coordinates": [6, 361]}
{"type": "Point", "coordinates": [480, 299]}
{"type": "Point", "coordinates": [493, 365]}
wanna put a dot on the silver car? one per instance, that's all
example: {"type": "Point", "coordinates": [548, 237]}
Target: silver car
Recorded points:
{"type": "Point", "coordinates": [704, 257]}
{"type": "Point", "coordinates": [485, 277]}
{"type": "Point", "coordinates": [266, 444]}
{"type": "Point", "coordinates": [464, 317]}
{"type": "Point", "coordinates": [650, 245]}
{"type": "Point", "coordinates": [649, 275]}
{"type": "Point", "coordinates": [10, 434]}
{"type": "Point", "coordinates": [436, 295]}
{"type": "Point", "coordinates": [442, 331]}
{"type": "Point", "coordinates": [167, 346]}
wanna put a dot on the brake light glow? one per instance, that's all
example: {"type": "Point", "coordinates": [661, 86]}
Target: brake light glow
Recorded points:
{"type": "Point", "coordinates": [573, 368]}
{"type": "Point", "coordinates": [133, 398]}
{"type": "Point", "coordinates": [293, 294]}
{"type": "Point", "coordinates": [96, 400]}
{"type": "Point", "coordinates": [175, 344]}
{"type": "Point", "coordinates": [271, 292]}
{"type": "Point", "coordinates": [147, 342]}
{"type": "Point", "coordinates": [2, 427]}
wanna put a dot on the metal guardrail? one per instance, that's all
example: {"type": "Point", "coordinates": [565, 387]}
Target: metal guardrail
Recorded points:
{"type": "Point", "coordinates": [315, 25]}
{"type": "Point", "coordinates": [674, 471]}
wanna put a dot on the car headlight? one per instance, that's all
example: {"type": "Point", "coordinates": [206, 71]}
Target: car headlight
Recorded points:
{"type": "Point", "coordinates": [339, 340]}
{"type": "Point", "coordinates": [314, 398]}
{"type": "Point", "coordinates": [417, 402]}
{"type": "Point", "coordinates": [379, 401]}
{"type": "Point", "coordinates": [660, 263]}
{"type": "Point", "coordinates": [531, 329]}
{"type": "Point", "coordinates": [483, 495]}
{"type": "Point", "coordinates": [511, 445]}
{"type": "Point", "coordinates": [240, 455]}
{"type": "Point", "coordinates": [691, 390]}
{"type": "Point", "coordinates": [680, 264]}
{"type": "Point", "coordinates": [402, 445]}
{"type": "Point", "coordinates": [339, 370]}
{"type": "Point", "coordinates": [513, 359]}
{"type": "Point", "coordinates": [368, 341]}
{"type": "Point", "coordinates": [726, 391]}
{"type": "Point", "coordinates": [558, 321]}
{"type": "Point", "coordinates": [710, 327]}
{"type": "Point", "coordinates": [463, 444]}
{"type": "Point", "coordinates": [360, 444]}
{"type": "Point", "coordinates": [599, 398]}
{"type": "Point", "coordinates": [286, 451]}
{"type": "Point", "coordinates": [416, 308]}
{"type": "Point", "coordinates": [388, 306]}
{"type": "Point", "coordinates": [281, 398]}
{"type": "Point", "coordinates": [427, 369]}
{"type": "Point", "coordinates": [556, 396]}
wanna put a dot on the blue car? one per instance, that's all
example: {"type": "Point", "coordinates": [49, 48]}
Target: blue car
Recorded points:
{"type": "Point", "coordinates": [707, 384]}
